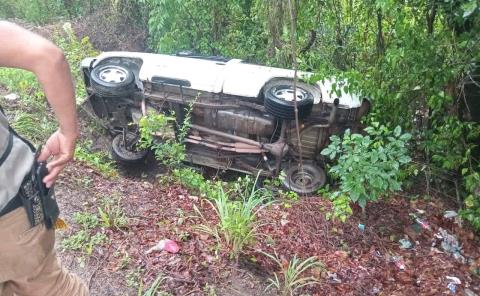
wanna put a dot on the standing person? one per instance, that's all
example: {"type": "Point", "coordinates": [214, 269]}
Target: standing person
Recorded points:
{"type": "Point", "coordinates": [28, 263]}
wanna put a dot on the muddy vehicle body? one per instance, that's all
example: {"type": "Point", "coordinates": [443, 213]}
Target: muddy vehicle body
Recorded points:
{"type": "Point", "coordinates": [242, 117]}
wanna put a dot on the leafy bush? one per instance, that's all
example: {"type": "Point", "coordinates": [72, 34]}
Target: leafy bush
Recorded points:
{"type": "Point", "coordinates": [368, 167]}
{"type": "Point", "coordinates": [471, 212]}
{"type": "Point", "coordinates": [45, 11]}
{"type": "Point", "coordinates": [35, 11]}
{"type": "Point", "coordinates": [156, 133]}
{"type": "Point", "coordinates": [195, 182]}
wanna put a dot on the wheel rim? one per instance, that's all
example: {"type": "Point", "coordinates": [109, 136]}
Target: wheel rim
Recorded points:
{"type": "Point", "coordinates": [306, 181]}
{"type": "Point", "coordinates": [113, 74]}
{"type": "Point", "coordinates": [130, 151]}
{"type": "Point", "coordinates": [286, 93]}
{"type": "Point", "coordinates": [303, 180]}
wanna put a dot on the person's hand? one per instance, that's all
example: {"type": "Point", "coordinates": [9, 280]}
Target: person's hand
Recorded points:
{"type": "Point", "coordinates": [61, 148]}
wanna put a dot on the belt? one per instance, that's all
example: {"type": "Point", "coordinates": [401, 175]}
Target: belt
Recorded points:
{"type": "Point", "coordinates": [16, 201]}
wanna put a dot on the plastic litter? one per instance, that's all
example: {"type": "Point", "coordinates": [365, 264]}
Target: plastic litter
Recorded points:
{"type": "Point", "coordinates": [165, 245]}
{"type": "Point", "coordinates": [452, 283]}
{"type": "Point", "coordinates": [333, 278]}
{"type": "Point", "coordinates": [405, 244]}
{"type": "Point", "coordinates": [361, 227]}
{"type": "Point", "coordinates": [423, 224]}
{"type": "Point", "coordinates": [421, 212]}
{"type": "Point", "coordinates": [450, 214]}
{"type": "Point", "coordinates": [12, 97]}
{"type": "Point", "coordinates": [454, 279]}
{"type": "Point", "coordinates": [452, 287]}
{"type": "Point", "coordinates": [398, 260]}
{"type": "Point", "coordinates": [450, 245]}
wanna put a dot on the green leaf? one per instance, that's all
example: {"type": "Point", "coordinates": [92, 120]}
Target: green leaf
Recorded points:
{"type": "Point", "coordinates": [397, 131]}
{"type": "Point", "coordinates": [469, 8]}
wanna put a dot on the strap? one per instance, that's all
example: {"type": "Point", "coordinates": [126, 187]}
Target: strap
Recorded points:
{"type": "Point", "coordinates": [12, 205]}
{"type": "Point", "coordinates": [30, 145]}
{"type": "Point", "coordinates": [9, 148]}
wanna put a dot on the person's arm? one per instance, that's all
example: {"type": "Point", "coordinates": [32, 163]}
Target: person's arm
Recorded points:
{"type": "Point", "coordinates": [20, 48]}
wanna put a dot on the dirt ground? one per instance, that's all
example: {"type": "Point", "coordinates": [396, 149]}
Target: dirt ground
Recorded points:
{"type": "Point", "coordinates": [357, 262]}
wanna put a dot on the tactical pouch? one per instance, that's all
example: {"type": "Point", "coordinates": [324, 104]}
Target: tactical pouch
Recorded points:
{"type": "Point", "coordinates": [47, 195]}
{"type": "Point", "coordinates": [31, 201]}
{"type": "Point", "coordinates": [38, 200]}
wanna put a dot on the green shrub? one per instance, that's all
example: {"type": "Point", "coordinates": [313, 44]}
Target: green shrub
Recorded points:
{"type": "Point", "coordinates": [195, 182]}
{"type": "Point", "coordinates": [75, 51]}
{"type": "Point", "coordinates": [471, 212]}
{"type": "Point", "coordinates": [368, 167]}
{"type": "Point", "coordinates": [156, 133]}
{"type": "Point", "coordinates": [35, 11]}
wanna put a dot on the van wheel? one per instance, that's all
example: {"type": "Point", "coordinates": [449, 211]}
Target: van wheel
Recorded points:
{"type": "Point", "coordinates": [279, 99]}
{"type": "Point", "coordinates": [126, 150]}
{"type": "Point", "coordinates": [307, 181]}
{"type": "Point", "coordinates": [112, 80]}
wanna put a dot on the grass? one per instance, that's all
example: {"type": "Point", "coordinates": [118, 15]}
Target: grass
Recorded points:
{"type": "Point", "coordinates": [86, 239]}
{"type": "Point", "coordinates": [154, 289]}
{"type": "Point", "coordinates": [111, 213]}
{"type": "Point", "coordinates": [291, 278]}
{"type": "Point", "coordinates": [238, 224]}
{"type": "Point", "coordinates": [98, 160]}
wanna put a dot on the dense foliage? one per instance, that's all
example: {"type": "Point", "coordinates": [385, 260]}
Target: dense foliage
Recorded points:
{"type": "Point", "coordinates": [417, 60]}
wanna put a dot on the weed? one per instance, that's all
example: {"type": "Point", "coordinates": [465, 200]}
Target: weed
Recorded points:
{"type": "Point", "coordinates": [76, 241]}
{"type": "Point", "coordinates": [238, 223]}
{"type": "Point", "coordinates": [98, 160]}
{"type": "Point", "coordinates": [23, 82]}
{"type": "Point", "coordinates": [83, 240]}
{"type": "Point", "coordinates": [209, 290]}
{"type": "Point", "coordinates": [194, 181]}
{"type": "Point", "coordinates": [133, 278]}
{"type": "Point", "coordinates": [75, 51]}
{"type": "Point", "coordinates": [86, 220]}
{"type": "Point", "coordinates": [111, 213]}
{"type": "Point", "coordinates": [169, 149]}
{"type": "Point", "coordinates": [154, 289]}
{"type": "Point", "coordinates": [291, 278]}
{"type": "Point", "coordinates": [124, 260]}
{"type": "Point", "coordinates": [274, 188]}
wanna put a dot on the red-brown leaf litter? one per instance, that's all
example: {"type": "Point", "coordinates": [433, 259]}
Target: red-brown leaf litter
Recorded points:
{"type": "Point", "coordinates": [358, 255]}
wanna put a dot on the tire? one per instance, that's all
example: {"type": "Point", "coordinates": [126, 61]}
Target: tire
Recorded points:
{"type": "Point", "coordinates": [125, 154]}
{"type": "Point", "coordinates": [313, 176]}
{"type": "Point", "coordinates": [112, 80]}
{"type": "Point", "coordinates": [278, 99]}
